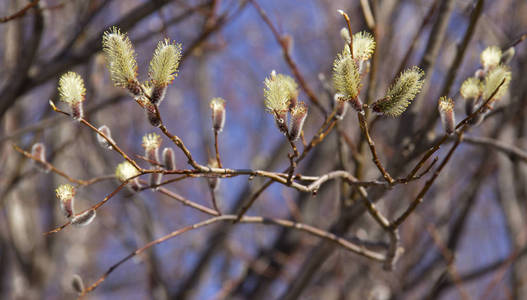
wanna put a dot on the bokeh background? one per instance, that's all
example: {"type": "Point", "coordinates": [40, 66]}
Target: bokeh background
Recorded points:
{"type": "Point", "coordinates": [466, 241]}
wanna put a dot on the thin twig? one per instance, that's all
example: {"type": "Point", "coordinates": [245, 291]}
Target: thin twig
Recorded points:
{"type": "Point", "coordinates": [19, 13]}
{"type": "Point", "coordinates": [95, 207]}
{"type": "Point", "coordinates": [360, 250]}
{"type": "Point", "coordinates": [348, 22]}
{"type": "Point", "coordinates": [216, 148]}
{"type": "Point", "coordinates": [427, 185]}
{"type": "Point", "coordinates": [364, 126]}
{"type": "Point", "coordinates": [287, 56]}
{"type": "Point", "coordinates": [109, 140]}
{"type": "Point", "coordinates": [510, 150]}
{"type": "Point", "coordinates": [53, 169]}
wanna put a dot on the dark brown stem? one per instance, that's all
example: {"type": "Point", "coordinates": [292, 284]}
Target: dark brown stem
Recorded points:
{"type": "Point", "coordinates": [364, 126]}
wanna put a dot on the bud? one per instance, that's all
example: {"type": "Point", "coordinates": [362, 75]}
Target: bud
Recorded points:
{"type": "Point", "coordinates": [77, 284]}
{"type": "Point", "coordinates": [66, 194]}
{"type": "Point", "coordinates": [151, 114]}
{"type": "Point", "coordinates": [125, 171]}
{"type": "Point", "coordinates": [363, 45]}
{"type": "Point", "coordinates": [346, 75]}
{"type": "Point", "coordinates": [341, 106]}
{"type": "Point", "coordinates": [72, 91]}
{"type": "Point", "coordinates": [38, 151]}
{"type": "Point", "coordinates": [507, 56]}
{"type": "Point", "coordinates": [134, 88]}
{"type": "Point", "coordinates": [102, 141]}
{"type": "Point", "coordinates": [158, 94]}
{"type": "Point", "coordinates": [356, 103]}
{"type": "Point", "coordinates": [280, 118]}
{"type": "Point", "coordinates": [345, 34]}
{"type": "Point", "coordinates": [218, 113]}
{"type": "Point", "coordinates": [493, 80]}
{"type": "Point", "coordinates": [401, 93]}
{"type": "Point", "coordinates": [163, 68]}
{"type": "Point", "coordinates": [471, 90]}
{"type": "Point", "coordinates": [470, 106]}
{"type": "Point", "coordinates": [120, 60]}
{"type": "Point", "coordinates": [279, 92]}
{"type": "Point", "coordinates": [155, 180]}
{"type": "Point", "coordinates": [151, 144]}
{"type": "Point", "coordinates": [490, 57]}
{"type": "Point", "coordinates": [169, 160]}
{"type": "Point", "coordinates": [298, 117]}
{"type": "Point", "coordinates": [446, 112]}
{"type": "Point", "coordinates": [84, 218]}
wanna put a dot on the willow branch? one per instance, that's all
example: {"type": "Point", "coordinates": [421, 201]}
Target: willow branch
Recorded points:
{"type": "Point", "coordinates": [110, 141]}
{"type": "Point", "coordinates": [364, 126]}
{"type": "Point", "coordinates": [19, 13]}
{"type": "Point", "coordinates": [53, 169]}
{"type": "Point", "coordinates": [347, 245]}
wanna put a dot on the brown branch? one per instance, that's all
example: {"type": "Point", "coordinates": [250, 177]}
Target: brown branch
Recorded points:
{"type": "Point", "coordinates": [19, 13]}
{"type": "Point", "coordinates": [428, 184]}
{"type": "Point", "coordinates": [53, 169]}
{"type": "Point", "coordinates": [319, 137]}
{"type": "Point", "coordinates": [450, 258]}
{"type": "Point", "coordinates": [188, 203]}
{"type": "Point", "coordinates": [109, 140]}
{"type": "Point", "coordinates": [360, 250]}
{"type": "Point", "coordinates": [509, 150]}
{"type": "Point", "coordinates": [482, 107]}
{"type": "Point", "coordinates": [463, 126]}
{"type": "Point", "coordinates": [364, 126]}
{"type": "Point", "coordinates": [95, 207]}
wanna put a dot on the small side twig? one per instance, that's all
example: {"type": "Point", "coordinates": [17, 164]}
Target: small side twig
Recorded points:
{"type": "Point", "coordinates": [364, 126]}
{"type": "Point", "coordinates": [110, 141]}
{"type": "Point", "coordinates": [53, 169]}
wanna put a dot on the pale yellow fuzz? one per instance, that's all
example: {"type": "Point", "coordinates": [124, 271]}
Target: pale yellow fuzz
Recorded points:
{"type": "Point", "coordinates": [120, 57]}
{"type": "Point", "coordinates": [151, 141]}
{"type": "Point", "coordinates": [71, 88]}
{"type": "Point", "coordinates": [446, 104]}
{"type": "Point", "coordinates": [471, 88]}
{"type": "Point", "coordinates": [125, 170]}
{"type": "Point", "coordinates": [346, 77]}
{"type": "Point", "coordinates": [65, 192]}
{"type": "Point", "coordinates": [493, 80]}
{"type": "Point", "coordinates": [490, 57]}
{"type": "Point", "coordinates": [165, 62]}
{"type": "Point", "coordinates": [278, 91]}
